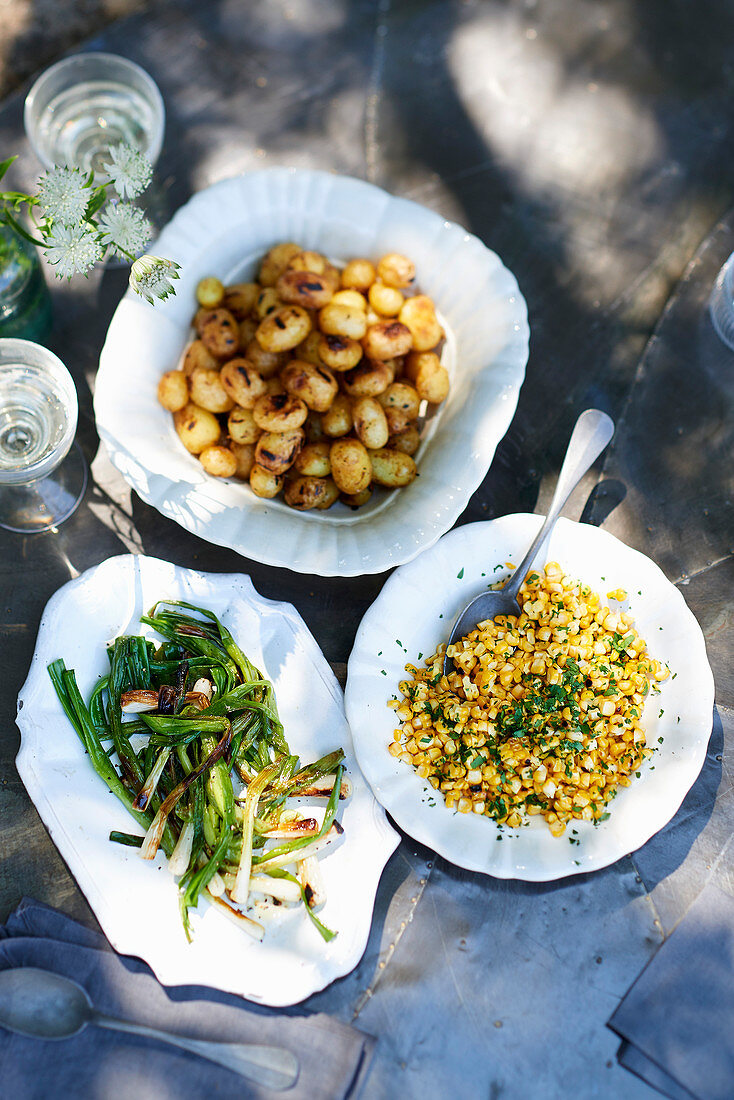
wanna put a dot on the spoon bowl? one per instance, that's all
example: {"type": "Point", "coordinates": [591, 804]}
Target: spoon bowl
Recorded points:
{"type": "Point", "coordinates": [41, 1004]}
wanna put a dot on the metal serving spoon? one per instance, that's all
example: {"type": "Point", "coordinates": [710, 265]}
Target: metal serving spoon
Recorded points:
{"type": "Point", "coordinates": [45, 1005]}
{"type": "Point", "coordinates": [591, 434]}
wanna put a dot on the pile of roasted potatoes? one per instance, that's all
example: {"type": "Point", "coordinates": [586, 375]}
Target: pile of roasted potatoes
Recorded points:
{"type": "Point", "coordinates": [310, 381]}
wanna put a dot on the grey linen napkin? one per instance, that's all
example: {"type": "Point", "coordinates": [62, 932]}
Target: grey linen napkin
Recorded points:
{"type": "Point", "coordinates": [677, 1020]}
{"type": "Point", "coordinates": [98, 1064]}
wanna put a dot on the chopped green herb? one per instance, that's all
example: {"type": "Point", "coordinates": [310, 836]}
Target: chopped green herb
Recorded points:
{"type": "Point", "coordinates": [460, 574]}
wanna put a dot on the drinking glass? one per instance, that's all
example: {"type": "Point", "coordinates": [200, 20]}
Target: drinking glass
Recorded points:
{"type": "Point", "coordinates": [721, 303]}
{"type": "Point", "coordinates": [82, 106]}
{"type": "Point", "coordinates": [42, 477]}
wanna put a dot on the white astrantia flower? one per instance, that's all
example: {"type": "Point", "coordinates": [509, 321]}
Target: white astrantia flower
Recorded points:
{"type": "Point", "coordinates": [71, 249]}
{"type": "Point", "coordinates": [62, 196]}
{"type": "Point", "coordinates": [125, 228]}
{"type": "Point", "coordinates": [150, 276]}
{"type": "Point", "coordinates": [130, 171]}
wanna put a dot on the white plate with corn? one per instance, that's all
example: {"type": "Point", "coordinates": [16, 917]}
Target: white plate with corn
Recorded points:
{"type": "Point", "coordinates": [566, 737]}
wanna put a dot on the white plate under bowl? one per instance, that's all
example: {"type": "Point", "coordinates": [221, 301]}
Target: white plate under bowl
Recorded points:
{"type": "Point", "coordinates": [136, 902]}
{"type": "Point", "coordinates": [415, 612]}
{"type": "Point", "coordinates": [224, 231]}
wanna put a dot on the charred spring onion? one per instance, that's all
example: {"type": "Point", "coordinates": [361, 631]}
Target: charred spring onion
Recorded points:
{"type": "Point", "coordinates": [187, 735]}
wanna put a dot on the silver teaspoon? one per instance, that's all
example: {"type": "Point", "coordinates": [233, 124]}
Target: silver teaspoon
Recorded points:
{"type": "Point", "coordinates": [45, 1005]}
{"type": "Point", "coordinates": [591, 434]}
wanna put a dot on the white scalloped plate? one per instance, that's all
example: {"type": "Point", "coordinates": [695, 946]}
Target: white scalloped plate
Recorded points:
{"type": "Point", "coordinates": [136, 902]}
{"type": "Point", "coordinates": [415, 611]}
{"type": "Point", "coordinates": [224, 231]}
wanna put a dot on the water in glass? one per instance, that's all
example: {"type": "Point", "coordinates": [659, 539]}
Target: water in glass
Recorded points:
{"type": "Point", "coordinates": [82, 123]}
{"type": "Point", "coordinates": [33, 420]}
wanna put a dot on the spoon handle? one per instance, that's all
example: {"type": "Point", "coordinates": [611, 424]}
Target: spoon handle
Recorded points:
{"type": "Point", "coordinates": [273, 1067]}
{"type": "Point", "coordinates": [591, 434]}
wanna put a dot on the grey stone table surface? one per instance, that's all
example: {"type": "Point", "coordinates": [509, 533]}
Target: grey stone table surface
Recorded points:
{"type": "Point", "coordinates": [592, 146]}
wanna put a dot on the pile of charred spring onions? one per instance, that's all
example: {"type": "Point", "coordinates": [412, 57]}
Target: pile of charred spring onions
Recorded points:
{"type": "Point", "coordinates": [209, 782]}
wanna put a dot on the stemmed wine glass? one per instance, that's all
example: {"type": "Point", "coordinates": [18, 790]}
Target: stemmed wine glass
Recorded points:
{"type": "Point", "coordinates": [42, 476]}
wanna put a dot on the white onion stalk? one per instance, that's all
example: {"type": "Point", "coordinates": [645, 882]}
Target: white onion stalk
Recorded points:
{"type": "Point", "coordinates": [204, 687]}
{"type": "Point", "coordinates": [323, 787]}
{"type": "Point", "coordinates": [311, 879]}
{"type": "Point", "coordinates": [181, 854]}
{"type": "Point", "coordinates": [216, 885]}
{"type": "Point", "coordinates": [250, 926]}
{"type": "Point", "coordinates": [146, 792]}
{"type": "Point", "coordinates": [241, 887]}
{"type": "Point", "coordinates": [289, 830]}
{"type": "Point", "coordinates": [309, 850]}
{"type": "Point", "coordinates": [152, 840]}
{"type": "Point", "coordinates": [138, 701]}
{"type": "Point", "coordinates": [279, 888]}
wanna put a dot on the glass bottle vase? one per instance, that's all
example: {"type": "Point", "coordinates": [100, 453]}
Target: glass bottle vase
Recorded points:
{"type": "Point", "coordinates": [25, 302]}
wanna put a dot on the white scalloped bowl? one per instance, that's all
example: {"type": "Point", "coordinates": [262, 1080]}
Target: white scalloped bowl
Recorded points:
{"type": "Point", "coordinates": [224, 231]}
{"type": "Point", "coordinates": [136, 902]}
{"type": "Point", "coordinates": [414, 613]}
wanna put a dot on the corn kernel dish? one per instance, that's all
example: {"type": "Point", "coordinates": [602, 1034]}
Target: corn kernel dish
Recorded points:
{"type": "Point", "coordinates": [544, 713]}
{"type": "Point", "coordinates": [311, 380]}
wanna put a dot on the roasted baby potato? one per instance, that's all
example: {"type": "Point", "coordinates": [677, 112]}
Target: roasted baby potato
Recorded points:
{"type": "Point", "coordinates": [197, 428]}
{"type": "Point", "coordinates": [242, 383]}
{"type": "Point", "coordinates": [219, 333]}
{"type": "Point", "coordinates": [367, 380]}
{"type": "Point", "coordinates": [266, 363]}
{"type": "Point", "coordinates": [314, 459]}
{"type": "Point", "coordinates": [275, 262]}
{"type": "Point", "coordinates": [277, 451]}
{"type": "Point", "coordinates": [244, 454]}
{"type": "Point", "coordinates": [337, 420]}
{"type": "Point", "coordinates": [173, 390]}
{"type": "Point", "coordinates": [370, 423]}
{"type": "Point", "coordinates": [242, 427]}
{"type": "Point", "coordinates": [419, 315]}
{"type": "Point", "coordinates": [267, 302]}
{"type": "Point", "coordinates": [356, 500]}
{"type": "Point", "coordinates": [264, 483]}
{"type": "Point", "coordinates": [351, 468]}
{"type": "Point", "coordinates": [338, 319]}
{"type": "Point", "coordinates": [316, 386]}
{"type": "Point", "coordinates": [304, 288]}
{"type": "Point", "coordinates": [432, 383]}
{"type": "Point", "coordinates": [208, 392]}
{"type": "Point", "coordinates": [402, 396]}
{"type": "Point", "coordinates": [279, 412]}
{"type": "Point", "coordinates": [305, 493]}
{"type": "Point", "coordinates": [385, 299]}
{"type": "Point", "coordinates": [393, 469]}
{"type": "Point", "coordinates": [210, 292]}
{"type": "Point", "coordinates": [338, 352]}
{"type": "Point", "coordinates": [396, 270]}
{"type": "Point", "coordinates": [406, 441]}
{"type": "Point", "coordinates": [240, 299]}
{"type": "Point", "coordinates": [387, 340]}
{"type": "Point", "coordinates": [283, 329]}
{"type": "Point", "coordinates": [359, 274]}
{"type": "Point", "coordinates": [218, 461]}
{"type": "Point", "coordinates": [198, 355]}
